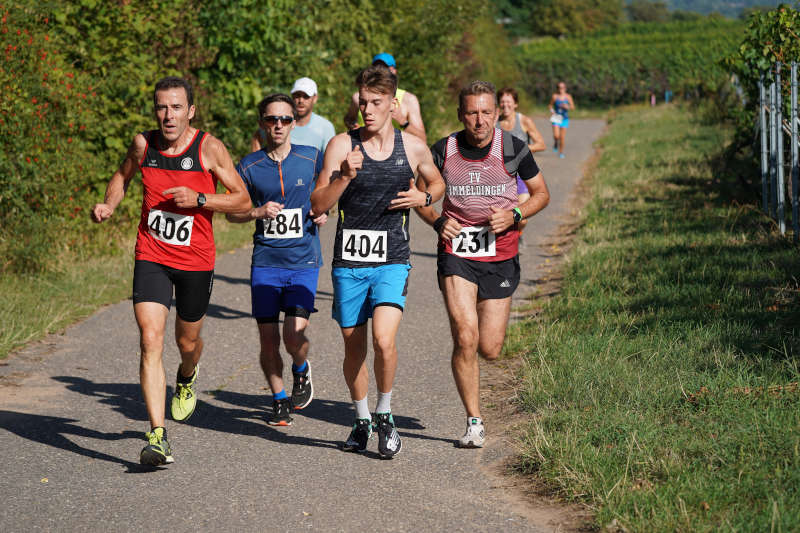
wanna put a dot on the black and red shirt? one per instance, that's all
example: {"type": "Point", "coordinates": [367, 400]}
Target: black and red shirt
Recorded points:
{"type": "Point", "coordinates": [169, 235]}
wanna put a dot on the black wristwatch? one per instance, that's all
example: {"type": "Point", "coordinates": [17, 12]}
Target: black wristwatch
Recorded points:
{"type": "Point", "coordinates": [428, 199]}
{"type": "Point", "coordinates": [517, 215]}
{"type": "Point", "coordinates": [404, 126]}
{"type": "Point", "coordinates": [201, 199]}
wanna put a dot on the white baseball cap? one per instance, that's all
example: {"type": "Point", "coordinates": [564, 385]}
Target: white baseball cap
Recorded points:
{"type": "Point", "coordinates": [305, 85]}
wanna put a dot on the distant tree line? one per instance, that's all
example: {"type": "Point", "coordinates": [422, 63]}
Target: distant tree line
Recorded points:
{"type": "Point", "coordinates": [527, 18]}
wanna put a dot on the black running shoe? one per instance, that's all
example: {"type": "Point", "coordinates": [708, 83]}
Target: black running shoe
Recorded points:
{"type": "Point", "coordinates": [280, 413]}
{"type": "Point", "coordinates": [359, 436]}
{"type": "Point", "coordinates": [303, 389]}
{"type": "Point", "coordinates": [389, 443]}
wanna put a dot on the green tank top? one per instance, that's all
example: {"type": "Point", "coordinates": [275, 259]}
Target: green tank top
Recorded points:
{"type": "Point", "coordinates": [399, 95]}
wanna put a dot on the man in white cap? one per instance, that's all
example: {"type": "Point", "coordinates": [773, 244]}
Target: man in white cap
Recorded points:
{"type": "Point", "coordinates": [310, 129]}
{"type": "Point", "coordinates": [406, 114]}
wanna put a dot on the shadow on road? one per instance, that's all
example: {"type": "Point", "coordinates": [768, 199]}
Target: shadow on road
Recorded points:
{"type": "Point", "coordinates": [330, 411]}
{"type": "Point", "coordinates": [52, 431]}
{"type": "Point", "coordinates": [247, 417]}
{"type": "Point", "coordinates": [124, 398]}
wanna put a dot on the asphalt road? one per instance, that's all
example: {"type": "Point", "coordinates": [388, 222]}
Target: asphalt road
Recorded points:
{"type": "Point", "coordinates": [73, 419]}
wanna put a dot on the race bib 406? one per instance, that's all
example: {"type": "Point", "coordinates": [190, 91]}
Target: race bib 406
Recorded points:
{"type": "Point", "coordinates": [364, 245]}
{"type": "Point", "coordinates": [476, 241]}
{"type": "Point", "coordinates": [170, 228]}
{"type": "Point", "coordinates": [287, 224]}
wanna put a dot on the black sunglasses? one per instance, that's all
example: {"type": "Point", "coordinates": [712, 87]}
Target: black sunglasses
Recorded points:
{"type": "Point", "coordinates": [272, 119]}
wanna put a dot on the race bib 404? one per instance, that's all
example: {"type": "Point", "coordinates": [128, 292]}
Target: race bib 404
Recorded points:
{"type": "Point", "coordinates": [170, 228]}
{"type": "Point", "coordinates": [476, 241]}
{"type": "Point", "coordinates": [364, 245]}
{"type": "Point", "coordinates": [287, 224]}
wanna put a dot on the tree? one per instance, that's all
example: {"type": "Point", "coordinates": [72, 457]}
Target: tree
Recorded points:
{"type": "Point", "coordinates": [647, 11]}
{"type": "Point", "coordinates": [573, 17]}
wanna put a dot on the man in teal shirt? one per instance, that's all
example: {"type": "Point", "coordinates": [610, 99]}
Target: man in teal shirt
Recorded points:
{"type": "Point", "coordinates": [310, 129]}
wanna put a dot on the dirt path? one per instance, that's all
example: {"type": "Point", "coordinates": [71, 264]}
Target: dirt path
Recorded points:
{"type": "Point", "coordinates": [74, 419]}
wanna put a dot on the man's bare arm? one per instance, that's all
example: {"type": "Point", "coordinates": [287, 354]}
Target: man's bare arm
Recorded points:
{"type": "Point", "coordinates": [415, 124]}
{"type": "Point", "coordinates": [502, 219]}
{"type": "Point", "coordinates": [537, 143]}
{"type": "Point", "coordinates": [219, 163]}
{"type": "Point", "coordinates": [118, 184]}
{"type": "Point", "coordinates": [340, 166]}
{"type": "Point", "coordinates": [426, 173]}
{"type": "Point", "coordinates": [268, 210]}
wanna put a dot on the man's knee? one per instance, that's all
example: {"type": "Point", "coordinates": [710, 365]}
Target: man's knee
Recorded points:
{"type": "Point", "coordinates": [384, 345]}
{"type": "Point", "coordinates": [187, 343]}
{"type": "Point", "coordinates": [490, 350]}
{"type": "Point", "coordinates": [490, 354]}
{"type": "Point", "coordinates": [294, 341]}
{"type": "Point", "coordinates": [466, 339]}
{"type": "Point", "coordinates": [151, 340]}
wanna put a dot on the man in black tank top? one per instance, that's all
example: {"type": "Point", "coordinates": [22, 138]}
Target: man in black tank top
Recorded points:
{"type": "Point", "coordinates": [372, 173]}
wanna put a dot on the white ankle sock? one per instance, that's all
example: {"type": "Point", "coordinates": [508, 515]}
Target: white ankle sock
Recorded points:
{"type": "Point", "coordinates": [384, 402]}
{"type": "Point", "coordinates": [362, 408]}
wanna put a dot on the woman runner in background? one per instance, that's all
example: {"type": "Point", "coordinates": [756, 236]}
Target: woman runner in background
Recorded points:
{"type": "Point", "coordinates": [560, 105]}
{"type": "Point", "coordinates": [523, 128]}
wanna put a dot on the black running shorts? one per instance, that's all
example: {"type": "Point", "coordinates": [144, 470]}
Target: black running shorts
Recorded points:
{"type": "Point", "coordinates": [495, 279]}
{"type": "Point", "coordinates": [153, 282]}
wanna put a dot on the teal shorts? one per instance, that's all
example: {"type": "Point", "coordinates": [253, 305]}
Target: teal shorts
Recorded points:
{"type": "Point", "coordinates": [357, 291]}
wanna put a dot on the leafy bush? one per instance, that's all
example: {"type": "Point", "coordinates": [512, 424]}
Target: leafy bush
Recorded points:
{"type": "Point", "coordinates": [624, 65]}
{"type": "Point", "coordinates": [770, 36]}
{"type": "Point", "coordinates": [45, 108]}
{"type": "Point", "coordinates": [77, 82]}
{"type": "Point", "coordinates": [260, 50]}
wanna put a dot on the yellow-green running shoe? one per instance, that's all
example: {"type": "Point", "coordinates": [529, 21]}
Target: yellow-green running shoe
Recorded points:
{"type": "Point", "coordinates": [157, 452]}
{"type": "Point", "coordinates": [184, 400]}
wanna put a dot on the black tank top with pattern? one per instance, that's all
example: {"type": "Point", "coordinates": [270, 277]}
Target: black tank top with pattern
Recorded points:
{"type": "Point", "coordinates": [368, 233]}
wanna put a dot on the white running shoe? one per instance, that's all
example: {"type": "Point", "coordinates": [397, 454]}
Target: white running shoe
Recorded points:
{"type": "Point", "coordinates": [475, 434]}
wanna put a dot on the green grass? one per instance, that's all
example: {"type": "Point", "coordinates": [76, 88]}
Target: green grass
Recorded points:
{"type": "Point", "coordinates": [36, 305]}
{"type": "Point", "coordinates": [654, 379]}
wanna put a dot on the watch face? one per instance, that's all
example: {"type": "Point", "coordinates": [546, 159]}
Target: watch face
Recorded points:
{"type": "Point", "coordinates": [201, 200]}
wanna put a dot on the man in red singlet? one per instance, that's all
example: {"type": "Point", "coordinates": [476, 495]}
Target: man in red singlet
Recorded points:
{"type": "Point", "coordinates": [478, 265]}
{"type": "Point", "coordinates": [180, 168]}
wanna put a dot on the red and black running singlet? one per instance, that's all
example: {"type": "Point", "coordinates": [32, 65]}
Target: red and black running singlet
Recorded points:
{"type": "Point", "coordinates": [169, 235]}
{"type": "Point", "coordinates": [473, 187]}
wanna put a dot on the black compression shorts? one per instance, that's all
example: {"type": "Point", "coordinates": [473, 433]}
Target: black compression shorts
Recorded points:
{"type": "Point", "coordinates": [153, 282]}
{"type": "Point", "coordinates": [495, 279]}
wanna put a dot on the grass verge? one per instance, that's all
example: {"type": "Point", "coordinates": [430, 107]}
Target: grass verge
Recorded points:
{"type": "Point", "coordinates": [36, 305]}
{"type": "Point", "coordinates": [662, 380]}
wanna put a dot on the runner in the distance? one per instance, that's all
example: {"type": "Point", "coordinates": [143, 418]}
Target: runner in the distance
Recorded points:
{"type": "Point", "coordinates": [560, 105]}
{"type": "Point", "coordinates": [478, 266]}
{"type": "Point", "coordinates": [286, 250]}
{"type": "Point", "coordinates": [405, 116]}
{"type": "Point", "coordinates": [310, 129]}
{"type": "Point", "coordinates": [371, 172]}
{"type": "Point", "coordinates": [180, 167]}
{"type": "Point", "coordinates": [522, 127]}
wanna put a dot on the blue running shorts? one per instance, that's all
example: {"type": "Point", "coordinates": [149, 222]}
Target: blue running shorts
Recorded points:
{"type": "Point", "coordinates": [357, 291]}
{"type": "Point", "coordinates": [274, 289]}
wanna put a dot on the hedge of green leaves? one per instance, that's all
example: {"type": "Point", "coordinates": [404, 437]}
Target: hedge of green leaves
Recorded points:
{"type": "Point", "coordinates": [770, 36]}
{"type": "Point", "coordinates": [623, 65]}
{"type": "Point", "coordinates": [77, 81]}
